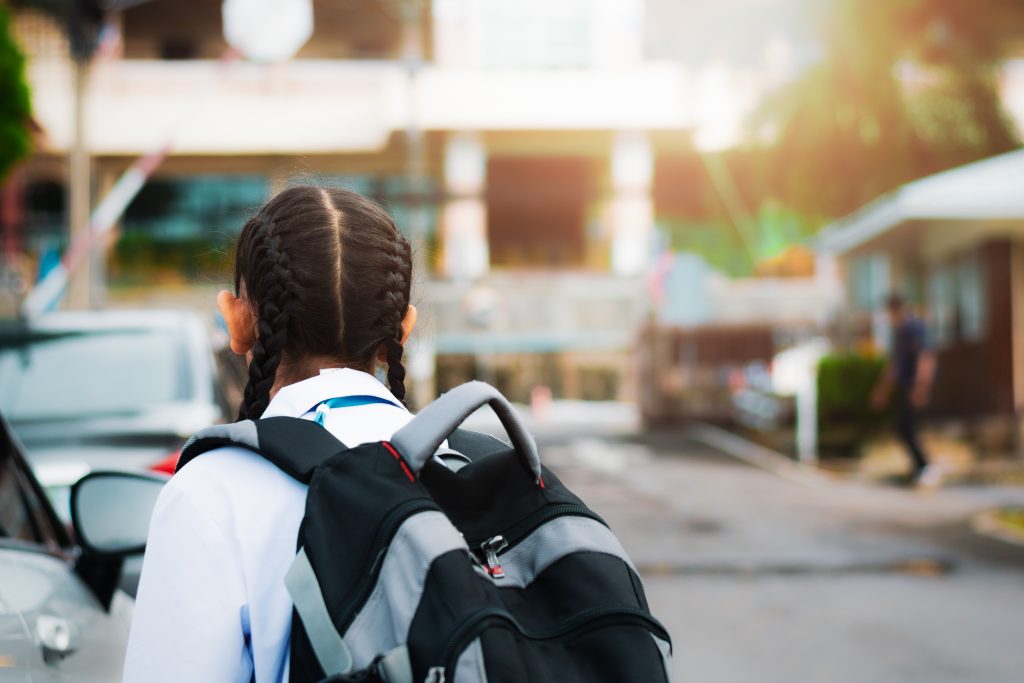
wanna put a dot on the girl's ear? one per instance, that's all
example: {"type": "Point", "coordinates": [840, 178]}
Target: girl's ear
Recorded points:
{"type": "Point", "coordinates": [408, 323]}
{"type": "Point", "coordinates": [240, 321]}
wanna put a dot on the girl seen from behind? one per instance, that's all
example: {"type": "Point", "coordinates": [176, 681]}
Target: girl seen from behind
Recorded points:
{"type": "Point", "coordinates": [321, 311]}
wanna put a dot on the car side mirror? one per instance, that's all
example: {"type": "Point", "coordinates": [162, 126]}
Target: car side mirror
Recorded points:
{"type": "Point", "coordinates": [110, 511]}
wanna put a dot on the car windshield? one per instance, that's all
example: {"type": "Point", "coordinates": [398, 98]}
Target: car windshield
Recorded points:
{"type": "Point", "coordinates": [65, 375]}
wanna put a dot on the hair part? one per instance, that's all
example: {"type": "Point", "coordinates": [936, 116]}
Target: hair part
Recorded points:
{"type": "Point", "coordinates": [328, 274]}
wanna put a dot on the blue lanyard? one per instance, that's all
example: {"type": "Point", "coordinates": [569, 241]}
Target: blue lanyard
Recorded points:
{"type": "Point", "coordinates": [347, 402]}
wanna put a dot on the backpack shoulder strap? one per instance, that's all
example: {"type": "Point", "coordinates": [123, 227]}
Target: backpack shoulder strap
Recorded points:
{"type": "Point", "coordinates": [295, 445]}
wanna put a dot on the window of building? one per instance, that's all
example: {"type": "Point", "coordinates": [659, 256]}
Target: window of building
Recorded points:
{"type": "Point", "coordinates": [173, 30]}
{"type": "Point", "coordinates": [942, 303]}
{"type": "Point", "coordinates": [870, 281]}
{"type": "Point", "coordinates": [970, 298]}
{"type": "Point", "coordinates": [957, 301]}
{"type": "Point", "coordinates": [367, 29]}
{"type": "Point", "coordinates": [178, 48]}
{"type": "Point", "coordinates": [183, 227]}
{"type": "Point", "coordinates": [45, 208]}
{"type": "Point", "coordinates": [538, 34]}
{"type": "Point", "coordinates": [212, 207]}
{"type": "Point", "coordinates": [537, 211]}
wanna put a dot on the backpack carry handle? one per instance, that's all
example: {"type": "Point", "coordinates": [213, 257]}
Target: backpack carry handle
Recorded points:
{"type": "Point", "coordinates": [419, 440]}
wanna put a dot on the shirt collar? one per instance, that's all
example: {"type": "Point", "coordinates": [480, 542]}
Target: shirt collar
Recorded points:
{"type": "Point", "coordinates": [296, 399]}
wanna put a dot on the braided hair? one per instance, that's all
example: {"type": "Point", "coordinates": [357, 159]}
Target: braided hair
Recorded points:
{"type": "Point", "coordinates": [327, 274]}
{"type": "Point", "coordinates": [375, 291]}
{"type": "Point", "coordinates": [273, 282]}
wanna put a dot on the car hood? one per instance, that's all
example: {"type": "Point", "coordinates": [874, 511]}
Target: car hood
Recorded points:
{"type": "Point", "coordinates": [30, 583]}
{"type": "Point", "coordinates": [34, 587]}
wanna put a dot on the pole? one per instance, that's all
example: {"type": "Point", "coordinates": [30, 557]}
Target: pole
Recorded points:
{"type": "Point", "coordinates": [79, 183]}
{"type": "Point", "coordinates": [422, 358]}
{"type": "Point", "coordinates": [807, 420]}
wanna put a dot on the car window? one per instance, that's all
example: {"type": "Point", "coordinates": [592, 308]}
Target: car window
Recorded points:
{"type": "Point", "coordinates": [23, 513]}
{"type": "Point", "coordinates": [59, 376]}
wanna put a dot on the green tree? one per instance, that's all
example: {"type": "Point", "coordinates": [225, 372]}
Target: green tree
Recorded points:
{"type": "Point", "coordinates": [903, 88]}
{"type": "Point", "coordinates": [957, 51]}
{"type": "Point", "coordinates": [15, 105]}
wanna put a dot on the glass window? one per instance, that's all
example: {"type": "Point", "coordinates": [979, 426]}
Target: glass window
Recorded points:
{"type": "Point", "coordinates": [23, 513]}
{"type": "Point", "coordinates": [180, 229]}
{"type": "Point", "coordinates": [942, 302]}
{"type": "Point", "coordinates": [538, 34]}
{"type": "Point", "coordinates": [45, 212]}
{"type": "Point", "coordinates": [970, 298]}
{"type": "Point", "coordinates": [75, 375]}
{"type": "Point", "coordinates": [208, 206]}
{"type": "Point", "coordinates": [549, 230]}
{"type": "Point", "coordinates": [870, 281]}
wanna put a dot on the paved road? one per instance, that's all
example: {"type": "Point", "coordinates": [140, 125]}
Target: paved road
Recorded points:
{"type": "Point", "coordinates": [765, 578]}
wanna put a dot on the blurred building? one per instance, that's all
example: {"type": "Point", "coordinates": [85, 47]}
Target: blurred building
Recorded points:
{"type": "Point", "coordinates": [953, 244]}
{"type": "Point", "coordinates": [714, 336]}
{"type": "Point", "coordinates": [542, 124]}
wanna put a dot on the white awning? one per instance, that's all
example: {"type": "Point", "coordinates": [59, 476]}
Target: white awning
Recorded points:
{"type": "Point", "coordinates": [984, 191]}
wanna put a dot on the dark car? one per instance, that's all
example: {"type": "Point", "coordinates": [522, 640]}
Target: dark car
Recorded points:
{"type": "Point", "coordinates": [61, 615]}
{"type": "Point", "coordinates": [89, 390]}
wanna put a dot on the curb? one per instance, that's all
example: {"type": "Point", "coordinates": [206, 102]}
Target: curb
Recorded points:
{"type": "Point", "coordinates": [988, 524]}
{"type": "Point", "coordinates": [759, 456]}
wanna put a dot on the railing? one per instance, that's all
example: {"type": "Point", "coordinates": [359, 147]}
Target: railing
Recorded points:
{"type": "Point", "coordinates": [536, 312]}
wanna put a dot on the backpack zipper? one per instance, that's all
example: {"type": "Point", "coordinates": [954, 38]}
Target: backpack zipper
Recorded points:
{"type": "Point", "coordinates": [490, 548]}
{"type": "Point", "coordinates": [385, 532]}
{"type": "Point", "coordinates": [477, 622]}
{"type": "Point", "coordinates": [515, 534]}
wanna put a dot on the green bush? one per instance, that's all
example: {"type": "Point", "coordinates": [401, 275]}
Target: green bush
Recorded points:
{"type": "Point", "coordinates": [845, 415]}
{"type": "Point", "coordinates": [15, 106]}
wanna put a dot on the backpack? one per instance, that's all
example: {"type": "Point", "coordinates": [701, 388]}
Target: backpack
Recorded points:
{"type": "Point", "coordinates": [483, 570]}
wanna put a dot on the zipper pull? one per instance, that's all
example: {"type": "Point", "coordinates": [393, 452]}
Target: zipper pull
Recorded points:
{"type": "Point", "coordinates": [490, 548]}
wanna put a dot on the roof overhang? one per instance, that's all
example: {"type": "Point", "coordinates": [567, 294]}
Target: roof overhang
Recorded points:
{"type": "Point", "coordinates": [988, 192]}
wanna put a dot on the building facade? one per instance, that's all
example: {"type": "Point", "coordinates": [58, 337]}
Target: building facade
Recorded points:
{"type": "Point", "coordinates": [520, 153]}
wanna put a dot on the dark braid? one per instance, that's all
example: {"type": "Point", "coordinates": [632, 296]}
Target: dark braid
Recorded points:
{"type": "Point", "coordinates": [273, 289]}
{"type": "Point", "coordinates": [376, 276]}
{"type": "Point", "coordinates": [396, 303]}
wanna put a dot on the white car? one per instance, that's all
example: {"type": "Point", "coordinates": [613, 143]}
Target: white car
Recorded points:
{"type": "Point", "coordinates": [62, 617]}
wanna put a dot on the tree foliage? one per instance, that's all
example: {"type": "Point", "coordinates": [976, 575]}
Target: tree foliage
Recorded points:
{"type": "Point", "coordinates": [903, 88]}
{"type": "Point", "coordinates": [15, 106]}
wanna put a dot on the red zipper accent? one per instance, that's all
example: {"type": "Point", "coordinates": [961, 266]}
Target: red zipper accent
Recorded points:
{"type": "Point", "coordinates": [401, 461]}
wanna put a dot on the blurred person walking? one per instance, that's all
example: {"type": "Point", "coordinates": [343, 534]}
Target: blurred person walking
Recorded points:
{"type": "Point", "coordinates": [907, 380]}
{"type": "Point", "coordinates": [321, 312]}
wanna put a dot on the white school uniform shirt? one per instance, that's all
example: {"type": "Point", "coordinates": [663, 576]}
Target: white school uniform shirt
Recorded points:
{"type": "Point", "coordinates": [212, 605]}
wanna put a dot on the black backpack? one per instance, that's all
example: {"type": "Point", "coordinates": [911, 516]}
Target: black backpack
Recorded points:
{"type": "Point", "coordinates": [474, 564]}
